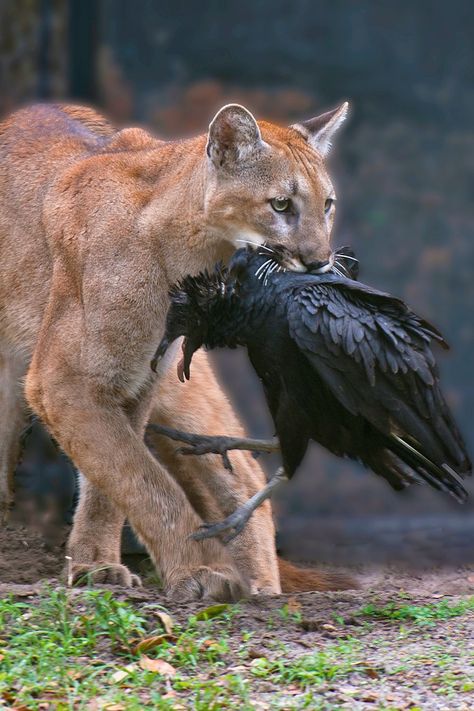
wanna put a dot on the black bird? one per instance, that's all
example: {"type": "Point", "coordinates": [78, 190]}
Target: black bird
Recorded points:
{"type": "Point", "coordinates": [341, 363]}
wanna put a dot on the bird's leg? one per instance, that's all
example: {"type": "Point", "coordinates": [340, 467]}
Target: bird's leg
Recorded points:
{"type": "Point", "coordinates": [236, 522]}
{"type": "Point", "coordinates": [209, 444]}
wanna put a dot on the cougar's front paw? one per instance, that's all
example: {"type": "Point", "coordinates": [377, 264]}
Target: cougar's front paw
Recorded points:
{"type": "Point", "coordinates": [104, 574]}
{"type": "Point", "coordinates": [219, 583]}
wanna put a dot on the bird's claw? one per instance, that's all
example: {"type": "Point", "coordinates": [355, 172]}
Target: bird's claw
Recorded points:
{"type": "Point", "coordinates": [204, 448]}
{"type": "Point", "coordinates": [233, 524]}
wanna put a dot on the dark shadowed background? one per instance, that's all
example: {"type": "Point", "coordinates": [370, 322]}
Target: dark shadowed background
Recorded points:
{"type": "Point", "coordinates": [403, 167]}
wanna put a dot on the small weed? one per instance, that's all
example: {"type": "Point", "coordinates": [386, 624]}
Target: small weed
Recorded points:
{"type": "Point", "coordinates": [420, 614]}
{"type": "Point", "coordinates": [311, 669]}
{"type": "Point", "coordinates": [288, 613]}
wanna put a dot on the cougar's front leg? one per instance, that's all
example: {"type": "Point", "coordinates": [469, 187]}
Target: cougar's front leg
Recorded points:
{"type": "Point", "coordinates": [75, 393]}
{"type": "Point", "coordinates": [200, 405]}
{"type": "Point", "coordinates": [95, 540]}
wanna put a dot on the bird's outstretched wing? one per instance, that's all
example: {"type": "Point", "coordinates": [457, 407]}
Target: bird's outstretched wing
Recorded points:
{"type": "Point", "coordinates": [374, 354]}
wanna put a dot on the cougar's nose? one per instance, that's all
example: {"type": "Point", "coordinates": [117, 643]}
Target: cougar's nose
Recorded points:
{"type": "Point", "coordinates": [315, 260]}
{"type": "Point", "coordinates": [319, 267]}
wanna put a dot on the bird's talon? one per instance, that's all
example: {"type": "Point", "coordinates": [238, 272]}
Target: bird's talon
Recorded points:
{"type": "Point", "coordinates": [226, 462]}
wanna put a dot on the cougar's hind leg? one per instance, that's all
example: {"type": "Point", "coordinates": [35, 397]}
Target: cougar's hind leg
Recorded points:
{"type": "Point", "coordinates": [12, 422]}
{"type": "Point", "coordinates": [200, 405]}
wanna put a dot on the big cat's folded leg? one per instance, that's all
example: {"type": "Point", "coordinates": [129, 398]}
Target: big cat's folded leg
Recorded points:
{"type": "Point", "coordinates": [236, 522]}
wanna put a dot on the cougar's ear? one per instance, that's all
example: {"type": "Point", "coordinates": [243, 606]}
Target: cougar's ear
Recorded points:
{"type": "Point", "coordinates": [319, 130]}
{"type": "Point", "coordinates": [234, 136]}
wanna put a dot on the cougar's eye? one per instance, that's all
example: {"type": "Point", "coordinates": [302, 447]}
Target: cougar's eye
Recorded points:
{"type": "Point", "coordinates": [281, 204]}
{"type": "Point", "coordinates": [328, 204]}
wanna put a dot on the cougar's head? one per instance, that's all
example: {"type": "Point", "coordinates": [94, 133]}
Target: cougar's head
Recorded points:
{"type": "Point", "coordinates": [269, 184]}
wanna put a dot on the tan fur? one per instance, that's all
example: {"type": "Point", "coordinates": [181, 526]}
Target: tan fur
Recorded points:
{"type": "Point", "coordinates": [95, 225]}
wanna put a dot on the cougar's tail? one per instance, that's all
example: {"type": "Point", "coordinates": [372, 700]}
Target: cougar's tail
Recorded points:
{"type": "Point", "coordinates": [295, 579]}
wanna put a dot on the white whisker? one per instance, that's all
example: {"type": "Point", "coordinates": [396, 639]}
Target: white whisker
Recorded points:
{"type": "Point", "coordinates": [335, 269]}
{"type": "Point", "coordinates": [264, 274]}
{"type": "Point", "coordinates": [262, 266]}
{"type": "Point", "coordinates": [270, 270]}
{"type": "Point", "coordinates": [342, 267]}
{"type": "Point", "coordinates": [274, 266]}
{"type": "Point", "coordinates": [346, 256]}
{"type": "Point", "coordinates": [257, 245]}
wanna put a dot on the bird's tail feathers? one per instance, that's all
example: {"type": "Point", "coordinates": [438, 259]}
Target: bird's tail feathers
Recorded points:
{"type": "Point", "coordinates": [440, 476]}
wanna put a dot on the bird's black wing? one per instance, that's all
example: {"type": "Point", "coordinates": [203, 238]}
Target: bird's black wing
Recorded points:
{"type": "Point", "coordinates": [374, 354]}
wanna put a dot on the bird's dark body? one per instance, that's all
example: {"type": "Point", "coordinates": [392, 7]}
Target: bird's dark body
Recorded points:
{"type": "Point", "coordinates": [341, 363]}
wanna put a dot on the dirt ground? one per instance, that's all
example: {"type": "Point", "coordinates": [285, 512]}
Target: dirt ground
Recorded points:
{"type": "Point", "coordinates": [397, 664]}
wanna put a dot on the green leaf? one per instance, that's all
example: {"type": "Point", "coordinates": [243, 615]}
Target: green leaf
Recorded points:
{"type": "Point", "coordinates": [212, 611]}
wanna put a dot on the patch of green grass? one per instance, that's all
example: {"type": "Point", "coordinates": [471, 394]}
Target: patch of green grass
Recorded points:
{"type": "Point", "coordinates": [287, 613]}
{"type": "Point", "coordinates": [420, 614]}
{"type": "Point", "coordinates": [66, 648]}
{"type": "Point", "coordinates": [334, 662]}
{"type": "Point", "coordinates": [451, 683]}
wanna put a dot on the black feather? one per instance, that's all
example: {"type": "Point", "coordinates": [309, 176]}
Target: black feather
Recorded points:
{"type": "Point", "coordinates": [341, 363]}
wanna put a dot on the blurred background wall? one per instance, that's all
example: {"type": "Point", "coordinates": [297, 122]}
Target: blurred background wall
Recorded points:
{"type": "Point", "coordinates": [403, 167]}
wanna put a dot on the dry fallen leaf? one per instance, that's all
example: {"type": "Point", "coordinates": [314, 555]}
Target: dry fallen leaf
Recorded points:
{"type": "Point", "coordinates": [328, 627]}
{"type": "Point", "coordinates": [166, 620]}
{"type": "Point", "coordinates": [371, 672]}
{"type": "Point", "coordinates": [119, 675]}
{"type": "Point", "coordinates": [171, 694]}
{"type": "Point", "coordinates": [157, 665]}
{"type": "Point", "coordinates": [144, 645]}
{"type": "Point", "coordinates": [209, 643]}
{"type": "Point", "coordinates": [293, 605]}
{"type": "Point", "coordinates": [370, 696]}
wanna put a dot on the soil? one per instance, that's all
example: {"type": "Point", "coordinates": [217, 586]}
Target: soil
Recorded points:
{"type": "Point", "coordinates": [396, 668]}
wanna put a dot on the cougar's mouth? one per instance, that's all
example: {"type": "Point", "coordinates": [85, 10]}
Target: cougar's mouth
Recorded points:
{"type": "Point", "coordinates": [325, 267]}
{"type": "Point", "coordinates": [279, 259]}
{"type": "Point", "coordinates": [341, 262]}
